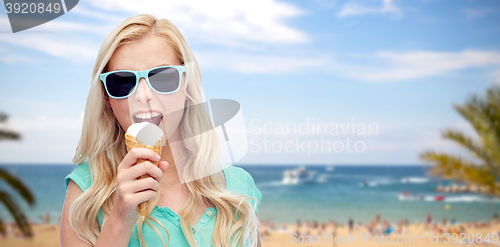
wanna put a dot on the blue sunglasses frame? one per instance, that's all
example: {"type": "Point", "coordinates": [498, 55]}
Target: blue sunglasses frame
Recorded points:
{"type": "Point", "coordinates": [143, 74]}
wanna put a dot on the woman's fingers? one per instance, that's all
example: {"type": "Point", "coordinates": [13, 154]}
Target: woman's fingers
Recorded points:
{"type": "Point", "coordinates": [143, 168]}
{"type": "Point", "coordinates": [163, 165]}
{"type": "Point", "coordinates": [133, 192]}
{"type": "Point", "coordinates": [130, 191]}
{"type": "Point", "coordinates": [143, 196]}
{"type": "Point", "coordinates": [138, 153]}
{"type": "Point", "coordinates": [143, 184]}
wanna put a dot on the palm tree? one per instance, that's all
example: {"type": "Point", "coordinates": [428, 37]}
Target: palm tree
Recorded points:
{"type": "Point", "coordinates": [483, 169]}
{"type": "Point", "coordinates": [18, 186]}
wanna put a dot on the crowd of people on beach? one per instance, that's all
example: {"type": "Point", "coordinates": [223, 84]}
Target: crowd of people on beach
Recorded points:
{"type": "Point", "coordinates": [375, 227]}
{"type": "Point", "coordinates": [378, 226]}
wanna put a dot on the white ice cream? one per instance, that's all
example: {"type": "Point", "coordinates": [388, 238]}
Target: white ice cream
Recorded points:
{"type": "Point", "coordinates": [146, 133]}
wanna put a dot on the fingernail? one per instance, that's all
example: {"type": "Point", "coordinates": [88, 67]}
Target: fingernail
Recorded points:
{"type": "Point", "coordinates": [158, 157]}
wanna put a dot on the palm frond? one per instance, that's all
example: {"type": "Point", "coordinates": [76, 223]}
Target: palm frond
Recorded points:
{"type": "Point", "coordinates": [461, 169]}
{"type": "Point", "coordinates": [18, 186]}
{"type": "Point", "coordinates": [467, 142]}
{"type": "Point", "coordinates": [2, 228]}
{"type": "Point", "coordinates": [446, 166]}
{"type": "Point", "coordinates": [9, 135]}
{"type": "Point", "coordinates": [3, 117]}
{"type": "Point", "coordinates": [483, 113]}
{"type": "Point", "coordinates": [16, 212]}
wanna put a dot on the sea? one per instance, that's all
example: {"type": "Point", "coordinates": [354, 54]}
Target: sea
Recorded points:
{"type": "Point", "coordinates": [336, 193]}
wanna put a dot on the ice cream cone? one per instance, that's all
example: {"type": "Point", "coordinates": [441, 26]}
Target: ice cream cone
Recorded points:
{"type": "Point", "coordinates": [131, 142]}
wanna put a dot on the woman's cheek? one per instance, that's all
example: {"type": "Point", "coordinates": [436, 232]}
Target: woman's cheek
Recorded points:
{"type": "Point", "coordinates": [122, 114]}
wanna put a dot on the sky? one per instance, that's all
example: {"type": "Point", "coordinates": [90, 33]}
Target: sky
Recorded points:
{"type": "Point", "coordinates": [382, 75]}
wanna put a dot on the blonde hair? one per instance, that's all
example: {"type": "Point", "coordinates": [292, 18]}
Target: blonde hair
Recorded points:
{"type": "Point", "coordinates": [236, 219]}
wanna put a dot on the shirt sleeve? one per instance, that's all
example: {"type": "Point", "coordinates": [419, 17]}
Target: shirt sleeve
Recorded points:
{"type": "Point", "coordinates": [244, 183]}
{"type": "Point", "coordinates": [81, 176]}
{"type": "Point", "coordinates": [254, 191]}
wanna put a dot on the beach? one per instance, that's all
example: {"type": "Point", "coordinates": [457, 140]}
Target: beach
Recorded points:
{"type": "Point", "coordinates": [417, 234]}
{"type": "Point", "coordinates": [44, 235]}
{"type": "Point", "coordinates": [281, 235]}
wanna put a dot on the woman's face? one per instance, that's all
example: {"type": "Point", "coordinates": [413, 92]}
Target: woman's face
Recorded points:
{"type": "Point", "coordinates": [149, 52]}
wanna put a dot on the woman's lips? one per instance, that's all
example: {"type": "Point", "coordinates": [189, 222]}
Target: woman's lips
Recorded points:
{"type": "Point", "coordinates": [154, 120]}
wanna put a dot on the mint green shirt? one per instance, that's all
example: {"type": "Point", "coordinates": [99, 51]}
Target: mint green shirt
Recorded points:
{"type": "Point", "coordinates": [237, 180]}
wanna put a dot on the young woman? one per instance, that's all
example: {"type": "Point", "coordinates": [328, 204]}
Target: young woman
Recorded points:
{"type": "Point", "coordinates": [103, 192]}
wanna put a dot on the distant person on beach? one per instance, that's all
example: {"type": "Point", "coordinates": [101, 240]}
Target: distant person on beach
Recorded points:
{"type": "Point", "coordinates": [321, 229]}
{"type": "Point", "coordinates": [314, 224]}
{"type": "Point", "coordinates": [145, 72]}
{"type": "Point", "coordinates": [282, 228]}
{"type": "Point", "coordinates": [444, 222]}
{"type": "Point", "coordinates": [351, 224]}
{"type": "Point", "coordinates": [298, 224]}
{"type": "Point", "coordinates": [46, 218]}
{"type": "Point", "coordinates": [494, 221]}
{"type": "Point", "coordinates": [388, 227]}
{"type": "Point", "coordinates": [453, 221]}
{"type": "Point", "coordinates": [370, 227]}
{"type": "Point", "coordinates": [429, 218]}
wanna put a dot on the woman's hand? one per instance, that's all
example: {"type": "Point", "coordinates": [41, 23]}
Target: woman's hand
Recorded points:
{"type": "Point", "coordinates": [130, 191]}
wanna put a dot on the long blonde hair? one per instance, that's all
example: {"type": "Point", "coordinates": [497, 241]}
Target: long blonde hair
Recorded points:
{"type": "Point", "coordinates": [102, 145]}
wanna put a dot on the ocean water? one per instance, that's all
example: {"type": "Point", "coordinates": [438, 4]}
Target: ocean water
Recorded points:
{"type": "Point", "coordinates": [339, 197]}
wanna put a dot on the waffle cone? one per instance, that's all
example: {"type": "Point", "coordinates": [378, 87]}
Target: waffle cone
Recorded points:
{"type": "Point", "coordinates": [131, 142]}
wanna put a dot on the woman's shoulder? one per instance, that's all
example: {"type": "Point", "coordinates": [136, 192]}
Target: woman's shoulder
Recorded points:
{"type": "Point", "coordinates": [80, 175]}
{"type": "Point", "coordinates": [238, 175]}
{"type": "Point", "coordinates": [239, 181]}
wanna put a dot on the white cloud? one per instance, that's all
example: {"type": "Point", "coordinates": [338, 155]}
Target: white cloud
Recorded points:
{"type": "Point", "coordinates": [7, 56]}
{"type": "Point", "coordinates": [67, 28]}
{"type": "Point", "coordinates": [258, 64]}
{"type": "Point", "coordinates": [354, 8]}
{"type": "Point", "coordinates": [394, 66]}
{"type": "Point", "coordinates": [45, 123]}
{"type": "Point", "coordinates": [382, 66]}
{"type": "Point", "coordinates": [221, 21]}
{"type": "Point", "coordinates": [471, 13]}
{"type": "Point", "coordinates": [43, 145]}
{"type": "Point", "coordinates": [64, 39]}
{"type": "Point", "coordinates": [4, 24]}
{"type": "Point", "coordinates": [80, 9]}
{"type": "Point", "coordinates": [35, 115]}
{"type": "Point", "coordinates": [49, 131]}
{"type": "Point", "coordinates": [245, 25]}
{"type": "Point", "coordinates": [398, 143]}
{"type": "Point", "coordinates": [58, 45]}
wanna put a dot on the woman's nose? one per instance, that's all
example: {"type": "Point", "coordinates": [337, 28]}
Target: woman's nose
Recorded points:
{"type": "Point", "coordinates": [143, 92]}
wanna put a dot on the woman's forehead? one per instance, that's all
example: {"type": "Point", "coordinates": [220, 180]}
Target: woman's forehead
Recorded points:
{"type": "Point", "coordinates": [146, 53]}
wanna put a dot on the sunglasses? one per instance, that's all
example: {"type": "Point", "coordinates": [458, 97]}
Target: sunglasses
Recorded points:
{"type": "Point", "coordinates": [123, 83]}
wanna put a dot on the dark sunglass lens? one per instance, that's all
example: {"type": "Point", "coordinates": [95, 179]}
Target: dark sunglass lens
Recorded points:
{"type": "Point", "coordinates": [120, 84]}
{"type": "Point", "coordinates": [164, 79]}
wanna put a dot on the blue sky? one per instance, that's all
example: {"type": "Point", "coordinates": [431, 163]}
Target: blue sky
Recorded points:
{"type": "Point", "coordinates": [398, 64]}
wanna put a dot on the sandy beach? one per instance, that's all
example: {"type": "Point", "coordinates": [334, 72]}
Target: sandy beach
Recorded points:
{"type": "Point", "coordinates": [44, 235]}
{"type": "Point", "coordinates": [281, 235]}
